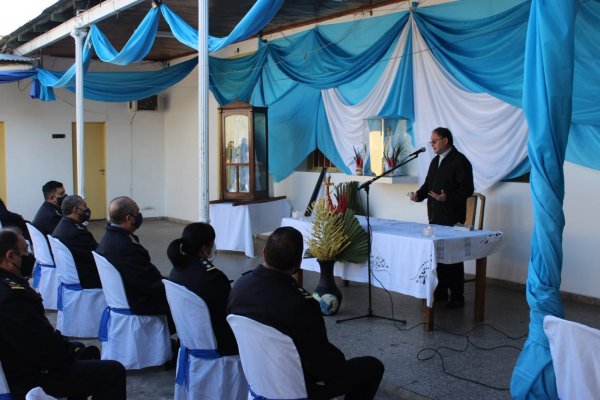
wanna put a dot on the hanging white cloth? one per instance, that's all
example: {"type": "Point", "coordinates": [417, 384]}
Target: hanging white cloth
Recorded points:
{"type": "Point", "coordinates": [490, 133]}
{"type": "Point", "coordinates": [348, 122]}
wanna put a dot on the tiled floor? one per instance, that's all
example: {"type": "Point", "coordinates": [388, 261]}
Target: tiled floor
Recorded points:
{"type": "Point", "coordinates": [414, 359]}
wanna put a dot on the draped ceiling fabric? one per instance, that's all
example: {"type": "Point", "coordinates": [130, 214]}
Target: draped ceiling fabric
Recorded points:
{"type": "Point", "coordinates": [547, 100]}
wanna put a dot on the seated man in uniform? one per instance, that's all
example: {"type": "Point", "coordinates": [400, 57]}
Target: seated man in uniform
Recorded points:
{"type": "Point", "coordinates": [270, 295]}
{"type": "Point", "coordinates": [11, 219]}
{"type": "Point", "coordinates": [33, 353]}
{"type": "Point", "coordinates": [80, 242]}
{"type": "Point", "coordinates": [142, 280]}
{"type": "Point", "coordinates": [50, 213]}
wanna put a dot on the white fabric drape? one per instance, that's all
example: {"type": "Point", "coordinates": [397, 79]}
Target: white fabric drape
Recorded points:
{"type": "Point", "coordinates": [348, 122]}
{"type": "Point", "coordinates": [491, 133]}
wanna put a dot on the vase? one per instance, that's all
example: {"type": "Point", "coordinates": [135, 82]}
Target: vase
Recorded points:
{"type": "Point", "coordinates": [327, 293]}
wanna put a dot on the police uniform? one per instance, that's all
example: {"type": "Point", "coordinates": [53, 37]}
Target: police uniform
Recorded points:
{"type": "Point", "coordinates": [81, 243]}
{"type": "Point", "coordinates": [47, 217]}
{"type": "Point", "coordinates": [201, 277]}
{"type": "Point", "coordinates": [34, 354]}
{"type": "Point", "coordinates": [11, 219]}
{"type": "Point", "coordinates": [275, 299]}
{"type": "Point", "coordinates": [142, 280]}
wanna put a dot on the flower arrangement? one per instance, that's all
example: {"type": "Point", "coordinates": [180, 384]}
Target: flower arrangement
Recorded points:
{"type": "Point", "coordinates": [337, 234]}
{"type": "Point", "coordinates": [393, 157]}
{"type": "Point", "coordinates": [359, 159]}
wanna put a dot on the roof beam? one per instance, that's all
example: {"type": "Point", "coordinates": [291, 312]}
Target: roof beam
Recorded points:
{"type": "Point", "coordinates": [96, 14]}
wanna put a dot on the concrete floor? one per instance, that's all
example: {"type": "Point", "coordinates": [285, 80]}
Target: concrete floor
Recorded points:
{"type": "Point", "coordinates": [414, 359]}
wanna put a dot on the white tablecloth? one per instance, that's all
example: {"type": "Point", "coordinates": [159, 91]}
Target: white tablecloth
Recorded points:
{"type": "Point", "coordinates": [235, 225]}
{"type": "Point", "coordinates": [402, 259]}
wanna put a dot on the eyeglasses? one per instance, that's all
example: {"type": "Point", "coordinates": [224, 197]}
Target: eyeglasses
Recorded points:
{"type": "Point", "coordinates": [432, 142]}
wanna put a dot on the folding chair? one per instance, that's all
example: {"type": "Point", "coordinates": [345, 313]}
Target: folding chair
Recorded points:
{"type": "Point", "coordinates": [202, 373]}
{"type": "Point", "coordinates": [45, 280]}
{"type": "Point", "coordinates": [79, 309]}
{"type": "Point", "coordinates": [136, 341]}
{"type": "Point", "coordinates": [270, 360]}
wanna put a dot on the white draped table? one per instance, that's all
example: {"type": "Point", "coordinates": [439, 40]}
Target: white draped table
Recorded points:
{"type": "Point", "coordinates": [404, 260]}
{"type": "Point", "coordinates": [235, 225]}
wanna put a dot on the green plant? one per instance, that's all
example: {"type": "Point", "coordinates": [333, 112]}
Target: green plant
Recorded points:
{"type": "Point", "coordinates": [396, 155]}
{"type": "Point", "coordinates": [337, 234]}
{"type": "Point", "coordinates": [347, 192]}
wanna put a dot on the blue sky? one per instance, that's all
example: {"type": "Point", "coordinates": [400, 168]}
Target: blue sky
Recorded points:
{"type": "Point", "coordinates": [16, 13]}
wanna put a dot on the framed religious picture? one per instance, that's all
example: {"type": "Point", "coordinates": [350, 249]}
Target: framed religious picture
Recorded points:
{"type": "Point", "coordinates": [244, 142]}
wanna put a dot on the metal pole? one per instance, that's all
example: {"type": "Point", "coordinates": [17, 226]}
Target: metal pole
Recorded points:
{"type": "Point", "coordinates": [203, 109]}
{"type": "Point", "coordinates": [79, 35]}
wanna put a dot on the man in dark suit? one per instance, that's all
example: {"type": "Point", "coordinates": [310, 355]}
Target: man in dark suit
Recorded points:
{"type": "Point", "coordinates": [270, 295]}
{"type": "Point", "coordinates": [142, 280]}
{"type": "Point", "coordinates": [448, 184]}
{"type": "Point", "coordinates": [50, 213]}
{"type": "Point", "coordinates": [11, 219]}
{"type": "Point", "coordinates": [33, 353]}
{"type": "Point", "coordinates": [80, 242]}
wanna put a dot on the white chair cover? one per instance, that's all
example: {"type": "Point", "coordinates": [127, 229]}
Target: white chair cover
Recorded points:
{"type": "Point", "coordinates": [270, 360]}
{"type": "Point", "coordinates": [79, 309]}
{"type": "Point", "coordinates": [45, 280]}
{"type": "Point", "coordinates": [38, 393]}
{"type": "Point", "coordinates": [4, 390]}
{"type": "Point", "coordinates": [201, 372]}
{"type": "Point", "coordinates": [136, 341]}
{"type": "Point", "coordinates": [574, 349]}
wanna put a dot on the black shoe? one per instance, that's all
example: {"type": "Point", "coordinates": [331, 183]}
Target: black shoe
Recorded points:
{"type": "Point", "coordinates": [456, 302]}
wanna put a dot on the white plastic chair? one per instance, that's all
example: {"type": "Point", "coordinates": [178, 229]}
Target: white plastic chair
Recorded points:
{"type": "Point", "coordinates": [45, 280]}
{"type": "Point", "coordinates": [4, 390]}
{"type": "Point", "coordinates": [79, 309]}
{"type": "Point", "coordinates": [201, 372]}
{"type": "Point", "coordinates": [270, 360]}
{"type": "Point", "coordinates": [574, 349]}
{"type": "Point", "coordinates": [136, 341]}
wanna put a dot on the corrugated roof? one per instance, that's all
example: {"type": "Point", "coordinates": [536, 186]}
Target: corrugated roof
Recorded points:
{"type": "Point", "coordinates": [15, 59]}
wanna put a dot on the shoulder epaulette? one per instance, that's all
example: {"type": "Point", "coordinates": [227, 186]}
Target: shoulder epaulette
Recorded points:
{"type": "Point", "coordinates": [12, 284]}
{"type": "Point", "coordinates": [305, 293]}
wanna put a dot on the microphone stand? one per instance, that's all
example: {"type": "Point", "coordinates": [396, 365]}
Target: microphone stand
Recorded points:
{"type": "Point", "coordinates": [366, 186]}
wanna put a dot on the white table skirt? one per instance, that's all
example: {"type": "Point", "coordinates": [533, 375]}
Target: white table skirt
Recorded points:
{"type": "Point", "coordinates": [405, 261]}
{"type": "Point", "coordinates": [235, 225]}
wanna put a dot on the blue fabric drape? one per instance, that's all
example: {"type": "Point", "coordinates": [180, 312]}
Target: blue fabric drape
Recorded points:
{"type": "Point", "coordinates": [547, 101]}
{"type": "Point", "coordinates": [103, 328]}
{"type": "Point", "coordinates": [9, 77]}
{"type": "Point", "coordinates": [257, 18]}
{"type": "Point", "coordinates": [183, 362]}
{"type": "Point", "coordinates": [137, 47]}
{"type": "Point", "coordinates": [37, 273]}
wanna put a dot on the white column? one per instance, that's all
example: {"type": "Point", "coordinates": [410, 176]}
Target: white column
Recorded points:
{"type": "Point", "coordinates": [79, 35]}
{"type": "Point", "coordinates": [203, 109]}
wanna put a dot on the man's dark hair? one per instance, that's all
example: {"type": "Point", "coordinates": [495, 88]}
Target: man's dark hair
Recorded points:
{"type": "Point", "coordinates": [50, 188]}
{"type": "Point", "coordinates": [119, 208]}
{"type": "Point", "coordinates": [283, 250]}
{"type": "Point", "coordinates": [70, 203]}
{"type": "Point", "coordinates": [9, 240]}
{"type": "Point", "coordinates": [444, 133]}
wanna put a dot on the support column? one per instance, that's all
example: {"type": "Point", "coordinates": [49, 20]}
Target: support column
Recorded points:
{"type": "Point", "coordinates": [203, 109]}
{"type": "Point", "coordinates": [79, 35]}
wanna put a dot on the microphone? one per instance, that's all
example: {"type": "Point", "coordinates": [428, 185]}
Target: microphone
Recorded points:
{"type": "Point", "coordinates": [417, 152]}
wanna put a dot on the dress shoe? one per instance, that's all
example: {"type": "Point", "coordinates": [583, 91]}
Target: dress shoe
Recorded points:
{"type": "Point", "coordinates": [456, 302]}
{"type": "Point", "coordinates": [440, 296]}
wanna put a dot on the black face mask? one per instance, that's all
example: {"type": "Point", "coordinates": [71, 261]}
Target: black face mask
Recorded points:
{"type": "Point", "coordinates": [87, 213]}
{"type": "Point", "coordinates": [59, 200]}
{"type": "Point", "coordinates": [138, 220]}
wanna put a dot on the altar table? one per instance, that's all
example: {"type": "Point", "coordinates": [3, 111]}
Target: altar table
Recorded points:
{"type": "Point", "coordinates": [235, 225]}
{"type": "Point", "coordinates": [403, 260]}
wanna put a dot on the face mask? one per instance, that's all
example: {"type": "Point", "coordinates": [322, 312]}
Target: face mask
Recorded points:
{"type": "Point", "coordinates": [213, 253]}
{"type": "Point", "coordinates": [138, 220]}
{"type": "Point", "coordinates": [87, 214]}
{"type": "Point", "coordinates": [59, 200]}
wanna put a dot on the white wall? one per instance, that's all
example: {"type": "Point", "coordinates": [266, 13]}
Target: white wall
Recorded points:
{"type": "Point", "coordinates": [34, 158]}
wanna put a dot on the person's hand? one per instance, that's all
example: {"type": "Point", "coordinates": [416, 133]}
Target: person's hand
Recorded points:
{"type": "Point", "coordinates": [412, 196]}
{"type": "Point", "coordinates": [439, 197]}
